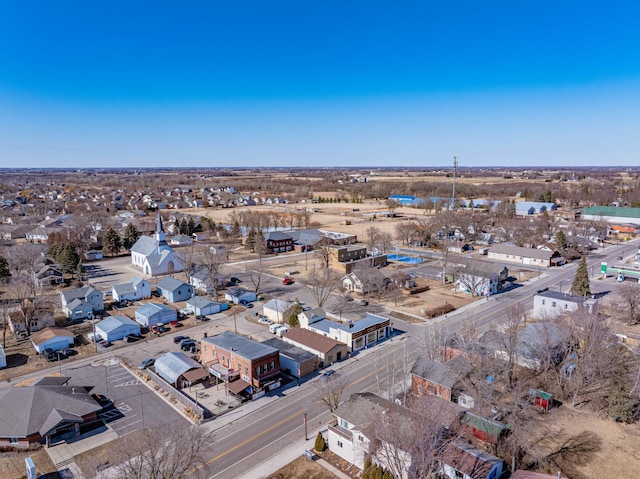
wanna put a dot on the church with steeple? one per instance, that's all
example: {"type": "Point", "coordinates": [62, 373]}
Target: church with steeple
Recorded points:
{"type": "Point", "coordinates": [153, 255]}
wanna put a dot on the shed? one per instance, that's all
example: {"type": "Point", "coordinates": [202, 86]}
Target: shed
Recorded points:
{"type": "Point", "coordinates": [172, 366]}
{"type": "Point", "coordinates": [294, 360]}
{"type": "Point", "coordinates": [52, 338]}
{"type": "Point", "coordinates": [153, 313]}
{"type": "Point", "coordinates": [116, 327]}
{"type": "Point", "coordinates": [541, 399]}
{"type": "Point", "coordinates": [486, 430]}
{"type": "Point", "coordinates": [201, 306]}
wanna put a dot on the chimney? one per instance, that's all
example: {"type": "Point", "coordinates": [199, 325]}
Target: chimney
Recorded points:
{"type": "Point", "coordinates": [73, 390]}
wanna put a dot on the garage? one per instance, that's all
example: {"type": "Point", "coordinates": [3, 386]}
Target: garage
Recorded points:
{"type": "Point", "coordinates": [116, 327]}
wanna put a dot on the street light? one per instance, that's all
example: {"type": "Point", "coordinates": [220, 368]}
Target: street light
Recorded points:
{"type": "Point", "coordinates": [306, 437]}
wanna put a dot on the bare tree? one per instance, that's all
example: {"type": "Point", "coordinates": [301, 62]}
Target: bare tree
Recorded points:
{"type": "Point", "coordinates": [329, 391]}
{"type": "Point", "coordinates": [257, 278]}
{"type": "Point", "coordinates": [322, 283]}
{"type": "Point", "coordinates": [373, 236]}
{"type": "Point", "coordinates": [432, 340]}
{"type": "Point", "coordinates": [630, 302]}
{"type": "Point", "coordinates": [171, 451]}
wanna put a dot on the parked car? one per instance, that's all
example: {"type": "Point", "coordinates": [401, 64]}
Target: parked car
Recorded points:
{"type": "Point", "coordinates": [68, 352]}
{"type": "Point", "coordinates": [53, 356]}
{"type": "Point", "coordinates": [157, 328]}
{"type": "Point", "coordinates": [233, 279]}
{"type": "Point", "coordinates": [287, 280]}
{"type": "Point", "coordinates": [246, 304]}
{"type": "Point", "coordinates": [328, 373]}
{"type": "Point", "coordinates": [264, 320]}
{"type": "Point", "coordinates": [178, 339]}
{"type": "Point", "coordinates": [364, 302]}
{"type": "Point", "coordinates": [146, 363]}
{"type": "Point", "coordinates": [130, 338]}
{"type": "Point", "coordinates": [187, 344]}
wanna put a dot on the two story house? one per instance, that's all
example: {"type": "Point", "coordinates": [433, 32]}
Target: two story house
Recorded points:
{"type": "Point", "coordinates": [81, 303]}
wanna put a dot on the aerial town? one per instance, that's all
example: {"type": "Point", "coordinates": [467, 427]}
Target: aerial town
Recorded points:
{"type": "Point", "coordinates": [475, 323]}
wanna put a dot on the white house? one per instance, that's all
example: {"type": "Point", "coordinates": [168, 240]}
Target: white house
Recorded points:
{"type": "Point", "coordinates": [133, 290]}
{"type": "Point", "coordinates": [153, 313]}
{"type": "Point", "coordinates": [153, 255]}
{"type": "Point", "coordinates": [547, 304]}
{"type": "Point", "coordinates": [80, 303]}
{"type": "Point", "coordinates": [116, 327]}
{"type": "Point", "coordinates": [478, 283]}
{"type": "Point", "coordinates": [199, 279]}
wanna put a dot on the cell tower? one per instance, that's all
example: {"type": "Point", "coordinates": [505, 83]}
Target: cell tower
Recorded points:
{"type": "Point", "coordinates": [453, 193]}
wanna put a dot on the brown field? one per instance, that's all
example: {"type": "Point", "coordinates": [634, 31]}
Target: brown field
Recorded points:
{"type": "Point", "coordinates": [302, 468]}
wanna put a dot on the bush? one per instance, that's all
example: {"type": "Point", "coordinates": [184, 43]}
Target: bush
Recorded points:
{"type": "Point", "coordinates": [320, 444]}
{"type": "Point", "coordinates": [439, 311]}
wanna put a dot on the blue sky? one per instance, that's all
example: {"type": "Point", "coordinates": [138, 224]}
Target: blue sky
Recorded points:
{"type": "Point", "coordinates": [307, 83]}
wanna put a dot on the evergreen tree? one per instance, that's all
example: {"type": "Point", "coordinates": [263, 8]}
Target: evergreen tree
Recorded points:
{"type": "Point", "coordinates": [111, 242]}
{"type": "Point", "coordinates": [235, 230]}
{"type": "Point", "coordinates": [191, 227]}
{"type": "Point", "coordinates": [131, 235]}
{"type": "Point", "coordinates": [183, 226]}
{"type": "Point", "coordinates": [5, 271]}
{"type": "Point", "coordinates": [580, 285]}
{"type": "Point", "coordinates": [320, 444]}
{"type": "Point", "coordinates": [250, 241]}
{"type": "Point", "coordinates": [80, 271]}
{"type": "Point", "coordinates": [621, 406]}
{"type": "Point", "coordinates": [561, 240]}
{"type": "Point", "coordinates": [68, 258]}
{"type": "Point", "coordinates": [293, 316]}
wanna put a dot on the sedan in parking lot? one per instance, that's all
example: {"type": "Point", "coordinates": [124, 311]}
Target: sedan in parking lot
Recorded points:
{"type": "Point", "coordinates": [146, 363]}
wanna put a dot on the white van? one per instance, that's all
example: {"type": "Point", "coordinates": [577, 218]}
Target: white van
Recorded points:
{"type": "Point", "coordinates": [274, 327]}
{"type": "Point", "coordinates": [291, 272]}
{"type": "Point", "coordinates": [281, 330]}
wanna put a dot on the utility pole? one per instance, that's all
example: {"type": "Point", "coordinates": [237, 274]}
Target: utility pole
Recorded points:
{"type": "Point", "coordinates": [306, 437]}
{"type": "Point", "coordinates": [453, 192]}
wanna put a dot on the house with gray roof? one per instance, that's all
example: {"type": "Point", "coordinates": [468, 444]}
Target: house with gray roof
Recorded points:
{"type": "Point", "coordinates": [278, 242]}
{"type": "Point", "coordinates": [82, 302]}
{"type": "Point", "coordinates": [44, 410]}
{"type": "Point", "coordinates": [155, 313]}
{"type": "Point", "coordinates": [133, 290]}
{"type": "Point", "coordinates": [429, 377]}
{"type": "Point", "coordinates": [52, 338]}
{"type": "Point", "coordinates": [174, 290]}
{"type": "Point", "coordinates": [548, 304]}
{"type": "Point", "coordinates": [327, 350]}
{"type": "Point", "coordinates": [235, 295]}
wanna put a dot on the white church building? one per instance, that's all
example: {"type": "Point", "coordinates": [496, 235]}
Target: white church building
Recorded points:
{"type": "Point", "coordinates": [153, 255]}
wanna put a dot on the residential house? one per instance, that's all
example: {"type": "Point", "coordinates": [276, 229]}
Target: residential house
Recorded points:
{"type": "Point", "coordinates": [181, 240]}
{"type": "Point", "coordinates": [535, 343]}
{"type": "Point", "coordinates": [201, 306]}
{"type": "Point", "coordinates": [237, 294]}
{"type": "Point", "coordinates": [3, 358]}
{"type": "Point", "coordinates": [526, 208]}
{"type": "Point", "coordinates": [548, 304]}
{"type": "Point", "coordinates": [49, 275]}
{"type": "Point", "coordinates": [93, 255]}
{"type": "Point", "coordinates": [528, 256]}
{"type": "Point", "coordinates": [294, 361]}
{"type": "Point", "coordinates": [444, 380]}
{"type": "Point", "coordinates": [133, 290]}
{"type": "Point", "coordinates": [249, 368]}
{"type": "Point", "coordinates": [154, 313]}
{"type": "Point", "coordinates": [48, 408]}
{"type": "Point", "coordinates": [41, 234]}
{"type": "Point", "coordinates": [201, 281]}
{"type": "Point", "coordinates": [349, 257]}
{"type": "Point", "coordinates": [460, 460]}
{"type": "Point", "coordinates": [179, 370]}
{"type": "Point", "coordinates": [113, 328]}
{"type": "Point", "coordinates": [52, 338]}
{"type": "Point", "coordinates": [81, 303]}
{"type": "Point", "coordinates": [479, 281]}
{"type": "Point", "coordinates": [174, 290]}
{"type": "Point", "coordinates": [277, 310]}
{"type": "Point", "coordinates": [278, 242]}
{"type": "Point", "coordinates": [363, 281]}
{"type": "Point", "coordinates": [153, 255]}
{"type": "Point", "coordinates": [40, 314]}
{"type": "Point", "coordinates": [356, 335]}
{"type": "Point", "coordinates": [327, 350]}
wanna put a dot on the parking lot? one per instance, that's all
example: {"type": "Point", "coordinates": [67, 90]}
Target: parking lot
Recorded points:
{"type": "Point", "coordinates": [134, 405]}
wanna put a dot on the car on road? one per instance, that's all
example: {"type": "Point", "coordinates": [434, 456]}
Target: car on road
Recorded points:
{"type": "Point", "coordinates": [178, 339]}
{"type": "Point", "coordinates": [146, 363]}
{"type": "Point", "coordinates": [328, 373]}
{"type": "Point", "coordinates": [287, 280]}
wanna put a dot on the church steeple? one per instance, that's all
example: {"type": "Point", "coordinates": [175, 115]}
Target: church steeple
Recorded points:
{"type": "Point", "coordinates": [160, 232]}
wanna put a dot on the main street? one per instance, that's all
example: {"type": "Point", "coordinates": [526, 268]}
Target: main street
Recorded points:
{"type": "Point", "coordinates": [254, 438]}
